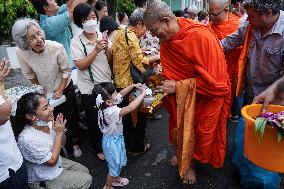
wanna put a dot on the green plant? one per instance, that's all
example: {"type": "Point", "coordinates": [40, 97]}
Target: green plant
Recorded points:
{"type": "Point", "coordinates": [126, 6]}
{"type": "Point", "coordinates": [10, 10]}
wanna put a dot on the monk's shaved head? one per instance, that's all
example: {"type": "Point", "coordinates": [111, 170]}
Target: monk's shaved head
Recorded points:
{"type": "Point", "coordinates": [157, 10]}
{"type": "Point", "coordinates": [220, 3]}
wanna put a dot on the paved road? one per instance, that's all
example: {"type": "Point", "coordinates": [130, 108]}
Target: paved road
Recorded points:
{"type": "Point", "coordinates": [152, 170]}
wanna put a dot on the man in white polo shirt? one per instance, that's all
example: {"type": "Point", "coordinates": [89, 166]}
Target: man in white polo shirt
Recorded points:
{"type": "Point", "coordinates": [13, 172]}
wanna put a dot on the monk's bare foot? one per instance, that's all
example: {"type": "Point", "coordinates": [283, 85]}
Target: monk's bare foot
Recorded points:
{"type": "Point", "coordinates": [174, 161]}
{"type": "Point", "coordinates": [190, 177]}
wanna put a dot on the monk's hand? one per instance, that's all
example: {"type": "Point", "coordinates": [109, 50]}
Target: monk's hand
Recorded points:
{"type": "Point", "coordinates": [168, 86]}
{"type": "Point", "coordinates": [265, 98]}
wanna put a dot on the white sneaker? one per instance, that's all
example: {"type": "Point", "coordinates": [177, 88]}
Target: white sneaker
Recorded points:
{"type": "Point", "coordinates": [77, 151]}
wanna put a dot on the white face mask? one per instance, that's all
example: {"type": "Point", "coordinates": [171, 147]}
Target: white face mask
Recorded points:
{"type": "Point", "coordinates": [41, 123]}
{"type": "Point", "coordinates": [118, 99]}
{"type": "Point", "coordinates": [90, 26]}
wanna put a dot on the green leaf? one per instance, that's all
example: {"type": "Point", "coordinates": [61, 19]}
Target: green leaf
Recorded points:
{"type": "Point", "coordinates": [260, 124]}
{"type": "Point", "coordinates": [279, 134]}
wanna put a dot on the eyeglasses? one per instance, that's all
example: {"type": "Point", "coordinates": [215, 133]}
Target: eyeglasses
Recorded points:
{"type": "Point", "coordinates": [217, 14]}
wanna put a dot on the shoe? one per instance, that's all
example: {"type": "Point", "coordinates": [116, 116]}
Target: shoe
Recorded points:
{"type": "Point", "coordinates": [77, 151]}
{"type": "Point", "coordinates": [147, 147]}
{"type": "Point", "coordinates": [234, 118]}
{"type": "Point", "coordinates": [155, 117]}
{"type": "Point", "coordinates": [122, 182]}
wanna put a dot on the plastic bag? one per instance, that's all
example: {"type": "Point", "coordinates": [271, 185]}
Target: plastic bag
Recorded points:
{"type": "Point", "coordinates": [251, 175]}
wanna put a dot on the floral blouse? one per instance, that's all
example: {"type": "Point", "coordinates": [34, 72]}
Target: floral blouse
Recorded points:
{"type": "Point", "coordinates": [126, 54]}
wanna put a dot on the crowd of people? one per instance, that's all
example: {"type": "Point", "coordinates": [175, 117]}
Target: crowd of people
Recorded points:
{"type": "Point", "coordinates": [210, 66]}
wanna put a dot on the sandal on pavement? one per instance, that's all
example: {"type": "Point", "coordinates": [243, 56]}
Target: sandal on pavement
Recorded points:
{"type": "Point", "coordinates": [146, 148]}
{"type": "Point", "coordinates": [122, 182]}
{"type": "Point", "coordinates": [77, 152]}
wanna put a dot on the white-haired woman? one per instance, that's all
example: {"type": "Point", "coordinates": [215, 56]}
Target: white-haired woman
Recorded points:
{"type": "Point", "coordinates": [45, 63]}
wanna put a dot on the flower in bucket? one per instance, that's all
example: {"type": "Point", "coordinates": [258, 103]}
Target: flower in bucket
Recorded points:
{"type": "Point", "coordinates": [274, 119]}
{"type": "Point", "coordinates": [156, 101]}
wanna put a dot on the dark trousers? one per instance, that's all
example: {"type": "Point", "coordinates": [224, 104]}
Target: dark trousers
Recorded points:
{"type": "Point", "coordinates": [133, 135]}
{"type": "Point", "coordinates": [17, 180]}
{"type": "Point", "coordinates": [91, 113]}
{"type": "Point", "coordinates": [69, 109]}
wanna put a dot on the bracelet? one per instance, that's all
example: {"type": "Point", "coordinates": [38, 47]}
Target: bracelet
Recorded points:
{"type": "Point", "coordinates": [65, 130]}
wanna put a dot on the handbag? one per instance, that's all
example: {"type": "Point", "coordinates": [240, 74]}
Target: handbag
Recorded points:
{"type": "Point", "coordinates": [136, 75]}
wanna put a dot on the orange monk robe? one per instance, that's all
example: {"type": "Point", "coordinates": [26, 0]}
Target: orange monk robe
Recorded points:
{"type": "Point", "coordinates": [195, 52]}
{"type": "Point", "coordinates": [223, 30]}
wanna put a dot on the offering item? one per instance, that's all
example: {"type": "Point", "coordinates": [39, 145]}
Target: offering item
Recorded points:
{"type": "Point", "coordinates": [151, 103]}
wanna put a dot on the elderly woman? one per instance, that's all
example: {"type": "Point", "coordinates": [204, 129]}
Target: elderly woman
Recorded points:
{"type": "Point", "coordinates": [125, 53]}
{"type": "Point", "coordinates": [45, 63]}
{"type": "Point", "coordinates": [90, 54]}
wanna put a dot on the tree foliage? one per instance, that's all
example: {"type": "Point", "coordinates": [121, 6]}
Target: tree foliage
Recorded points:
{"type": "Point", "coordinates": [125, 5]}
{"type": "Point", "coordinates": [10, 10]}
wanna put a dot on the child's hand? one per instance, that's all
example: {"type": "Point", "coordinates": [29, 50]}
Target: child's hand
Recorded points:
{"type": "Point", "coordinates": [138, 86]}
{"type": "Point", "coordinates": [143, 92]}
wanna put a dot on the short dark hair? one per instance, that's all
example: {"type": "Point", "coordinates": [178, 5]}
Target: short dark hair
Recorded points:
{"type": "Point", "coordinates": [121, 16]}
{"type": "Point", "coordinates": [100, 5]}
{"type": "Point", "coordinates": [179, 13]}
{"type": "Point", "coordinates": [81, 13]}
{"type": "Point", "coordinates": [140, 3]}
{"type": "Point", "coordinates": [263, 6]}
{"type": "Point", "coordinates": [108, 23]}
{"type": "Point", "coordinates": [202, 15]}
{"type": "Point", "coordinates": [39, 5]}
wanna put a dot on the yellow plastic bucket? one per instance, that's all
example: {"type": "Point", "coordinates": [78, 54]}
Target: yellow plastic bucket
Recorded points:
{"type": "Point", "coordinates": [269, 154]}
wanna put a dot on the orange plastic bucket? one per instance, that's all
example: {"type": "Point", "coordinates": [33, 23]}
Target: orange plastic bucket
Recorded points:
{"type": "Point", "coordinates": [269, 154]}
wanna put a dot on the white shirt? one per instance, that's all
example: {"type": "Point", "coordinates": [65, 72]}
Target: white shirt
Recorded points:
{"type": "Point", "coordinates": [100, 67]}
{"type": "Point", "coordinates": [10, 155]}
{"type": "Point", "coordinates": [36, 148]}
{"type": "Point", "coordinates": [48, 67]}
{"type": "Point", "coordinates": [113, 121]}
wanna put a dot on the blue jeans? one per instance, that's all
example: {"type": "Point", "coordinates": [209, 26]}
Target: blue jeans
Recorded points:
{"type": "Point", "coordinates": [17, 180]}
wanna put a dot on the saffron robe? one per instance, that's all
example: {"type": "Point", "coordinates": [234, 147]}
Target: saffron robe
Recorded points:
{"type": "Point", "coordinates": [195, 52]}
{"type": "Point", "coordinates": [223, 30]}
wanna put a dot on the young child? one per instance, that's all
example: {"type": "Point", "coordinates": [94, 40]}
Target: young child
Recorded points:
{"type": "Point", "coordinates": [110, 123]}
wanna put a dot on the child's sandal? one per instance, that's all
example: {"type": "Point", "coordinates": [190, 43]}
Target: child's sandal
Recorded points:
{"type": "Point", "coordinates": [122, 182]}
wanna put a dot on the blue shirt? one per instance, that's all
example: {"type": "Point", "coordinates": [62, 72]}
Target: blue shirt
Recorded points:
{"type": "Point", "coordinates": [56, 28]}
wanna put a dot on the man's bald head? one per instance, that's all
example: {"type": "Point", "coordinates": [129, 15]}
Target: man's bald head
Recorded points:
{"type": "Point", "coordinates": [220, 3]}
{"type": "Point", "coordinates": [218, 11]}
{"type": "Point", "coordinates": [160, 20]}
{"type": "Point", "coordinates": [157, 10]}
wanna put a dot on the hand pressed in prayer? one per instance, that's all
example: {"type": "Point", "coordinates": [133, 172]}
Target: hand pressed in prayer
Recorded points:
{"type": "Point", "coordinates": [59, 124]}
{"type": "Point", "coordinates": [4, 69]}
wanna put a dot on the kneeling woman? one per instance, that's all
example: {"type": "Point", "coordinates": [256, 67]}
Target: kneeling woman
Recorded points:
{"type": "Point", "coordinates": [40, 139]}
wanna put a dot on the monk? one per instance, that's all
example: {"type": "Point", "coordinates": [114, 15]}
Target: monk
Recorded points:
{"type": "Point", "coordinates": [223, 23]}
{"type": "Point", "coordinates": [197, 88]}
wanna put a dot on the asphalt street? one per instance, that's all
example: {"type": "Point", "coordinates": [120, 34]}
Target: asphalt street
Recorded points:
{"type": "Point", "coordinates": [153, 170]}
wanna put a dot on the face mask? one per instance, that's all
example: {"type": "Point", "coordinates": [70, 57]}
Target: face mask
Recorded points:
{"type": "Point", "coordinates": [90, 26]}
{"type": "Point", "coordinates": [118, 99]}
{"type": "Point", "coordinates": [41, 123]}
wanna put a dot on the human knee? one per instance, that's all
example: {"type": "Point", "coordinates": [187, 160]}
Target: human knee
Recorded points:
{"type": "Point", "coordinates": [86, 180]}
